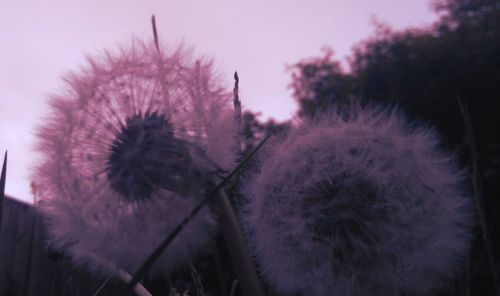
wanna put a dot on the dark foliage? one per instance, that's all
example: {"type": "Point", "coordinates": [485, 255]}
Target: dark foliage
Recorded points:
{"type": "Point", "coordinates": [254, 130]}
{"type": "Point", "coordinates": [318, 83]}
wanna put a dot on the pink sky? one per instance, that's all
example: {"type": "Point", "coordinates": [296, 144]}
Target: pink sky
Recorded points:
{"type": "Point", "coordinates": [41, 40]}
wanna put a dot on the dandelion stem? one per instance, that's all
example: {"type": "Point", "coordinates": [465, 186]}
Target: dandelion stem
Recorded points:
{"type": "Point", "coordinates": [149, 262]}
{"type": "Point", "coordinates": [138, 287]}
{"type": "Point", "coordinates": [476, 185]}
{"type": "Point", "coordinates": [2, 187]}
{"type": "Point", "coordinates": [237, 246]}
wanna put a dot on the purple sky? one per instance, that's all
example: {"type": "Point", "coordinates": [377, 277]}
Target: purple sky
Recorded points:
{"type": "Point", "coordinates": [41, 40]}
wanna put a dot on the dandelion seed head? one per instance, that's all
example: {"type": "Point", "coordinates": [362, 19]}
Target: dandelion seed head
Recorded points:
{"type": "Point", "coordinates": [126, 153]}
{"type": "Point", "coordinates": [357, 203]}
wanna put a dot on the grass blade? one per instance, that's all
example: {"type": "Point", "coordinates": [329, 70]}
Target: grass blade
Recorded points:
{"type": "Point", "coordinates": [2, 186]}
{"type": "Point", "coordinates": [237, 247]}
{"type": "Point", "coordinates": [101, 287]}
{"type": "Point", "coordinates": [220, 273]}
{"type": "Point", "coordinates": [198, 285]}
{"type": "Point", "coordinates": [476, 185]}
{"type": "Point", "coordinates": [146, 266]}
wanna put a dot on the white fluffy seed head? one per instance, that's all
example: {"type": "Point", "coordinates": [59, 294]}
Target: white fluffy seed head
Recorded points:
{"type": "Point", "coordinates": [125, 156]}
{"type": "Point", "coordinates": [357, 204]}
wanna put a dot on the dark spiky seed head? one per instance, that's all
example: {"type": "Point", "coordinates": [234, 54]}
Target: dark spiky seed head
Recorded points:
{"type": "Point", "coordinates": [145, 156]}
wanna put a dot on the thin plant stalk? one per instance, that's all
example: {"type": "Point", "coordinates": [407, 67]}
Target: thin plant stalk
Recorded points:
{"type": "Point", "coordinates": [101, 287]}
{"type": "Point", "coordinates": [220, 273]}
{"type": "Point", "coordinates": [198, 285]}
{"type": "Point", "coordinates": [237, 121]}
{"type": "Point", "coordinates": [477, 192]}
{"type": "Point", "coordinates": [237, 107]}
{"type": "Point", "coordinates": [2, 187]}
{"type": "Point", "coordinates": [150, 261]}
{"type": "Point", "coordinates": [155, 32]}
{"type": "Point", "coordinates": [198, 99]}
{"type": "Point", "coordinates": [160, 65]}
{"type": "Point", "coordinates": [233, 287]}
{"type": "Point", "coordinates": [139, 289]}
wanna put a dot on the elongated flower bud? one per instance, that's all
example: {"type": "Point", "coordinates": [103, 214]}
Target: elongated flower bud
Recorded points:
{"type": "Point", "coordinates": [359, 204]}
{"type": "Point", "coordinates": [127, 153]}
